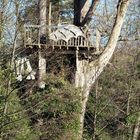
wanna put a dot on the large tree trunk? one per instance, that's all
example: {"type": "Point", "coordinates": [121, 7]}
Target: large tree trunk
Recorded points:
{"type": "Point", "coordinates": [83, 11]}
{"type": "Point", "coordinates": [42, 60]}
{"type": "Point", "coordinates": [77, 12]}
{"type": "Point", "coordinates": [80, 9]}
{"type": "Point", "coordinates": [87, 72]}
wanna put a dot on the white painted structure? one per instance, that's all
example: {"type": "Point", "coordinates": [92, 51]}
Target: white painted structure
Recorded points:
{"type": "Point", "coordinates": [23, 69]}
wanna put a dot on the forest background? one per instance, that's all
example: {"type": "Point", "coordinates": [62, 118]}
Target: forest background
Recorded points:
{"type": "Point", "coordinates": [113, 109]}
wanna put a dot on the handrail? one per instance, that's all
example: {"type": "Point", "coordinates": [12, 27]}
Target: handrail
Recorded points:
{"type": "Point", "coordinates": [32, 38]}
{"type": "Point", "coordinates": [47, 26]}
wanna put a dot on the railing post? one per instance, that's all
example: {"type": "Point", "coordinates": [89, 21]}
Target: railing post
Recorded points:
{"type": "Point", "coordinates": [50, 15]}
{"type": "Point", "coordinates": [98, 37]}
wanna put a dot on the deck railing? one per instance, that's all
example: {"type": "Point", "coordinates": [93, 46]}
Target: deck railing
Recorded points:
{"type": "Point", "coordinates": [32, 38]}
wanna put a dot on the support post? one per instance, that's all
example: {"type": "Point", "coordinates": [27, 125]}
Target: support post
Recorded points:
{"type": "Point", "coordinates": [76, 73]}
{"type": "Point", "coordinates": [50, 15]}
{"type": "Point", "coordinates": [41, 55]}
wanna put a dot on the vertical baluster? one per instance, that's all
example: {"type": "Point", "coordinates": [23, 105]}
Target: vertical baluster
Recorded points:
{"type": "Point", "coordinates": [70, 42]}
{"type": "Point", "coordinates": [31, 36]}
{"type": "Point", "coordinates": [25, 39]}
{"type": "Point", "coordinates": [38, 36]}
{"type": "Point", "coordinates": [78, 41]}
{"type": "Point", "coordinates": [84, 42]}
{"type": "Point", "coordinates": [61, 43]}
{"type": "Point", "coordinates": [81, 39]}
{"type": "Point", "coordinates": [53, 43]}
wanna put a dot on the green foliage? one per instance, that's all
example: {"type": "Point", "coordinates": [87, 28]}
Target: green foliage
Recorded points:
{"type": "Point", "coordinates": [14, 124]}
{"type": "Point", "coordinates": [110, 105]}
{"type": "Point", "coordinates": [57, 107]}
{"type": "Point", "coordinates": [132, 118]}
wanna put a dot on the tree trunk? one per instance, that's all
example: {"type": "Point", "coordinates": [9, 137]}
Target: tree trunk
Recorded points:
{"type": "Point", "coordinates": [77, 14]}
{"type": "Point", "coordinates": [88, 11]}
{"type": "Point", "coordinates": [42, 16]}
{"type": "Point", "coordinates": [95, 111]}
{"type": "Point", "coordinates": [137, 128]}
{"type": "Point", "coordinates": [1, 28]}
{"type": "Point", "coordinates": [80, 9]}
{"type": "Point", "coordinates": [42, 59]}
{"type": "Point", "coordinates": [2, 22]}
{"type": "Point", "coordinates": [87, 73]}
{"type": "Point", "coordinates": [83, 11]}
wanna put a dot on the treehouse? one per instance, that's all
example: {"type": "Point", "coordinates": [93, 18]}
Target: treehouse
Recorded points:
{"type": "Point", "coordinates": [43, 39]}
{"type": "Point", "coordinates": [69, 36]}
{"type": "Point", "coordinates": [65, 38]}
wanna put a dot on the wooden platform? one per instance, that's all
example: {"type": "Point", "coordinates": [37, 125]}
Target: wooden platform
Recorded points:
{"type": "Point", "coordinates": [62, 37]}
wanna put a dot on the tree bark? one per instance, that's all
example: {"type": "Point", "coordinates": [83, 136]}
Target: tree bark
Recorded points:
{"type": "Point", "coordinates": [42, 16]}
{"type": "Point", "coordinates": [77, 12]}
{"type": "Point", "coordinates": [87, 72]}
{"type": "Point", "coordinates": [87, 14]}
{"type": "Point", "coordinates": [42, 59]}
{"type": "Point", "coordinates": [2, 20]}
{"type": "Point", "coordinates": [1, 28]}
{"type": "Point", "coordinates": [137, 128]}
{"type": "Point", "coordinates": [81, 8]}
{"type": "Point", "coordinates": [95, 111]}
{"type": "Point", "coordinates": [83, 11]}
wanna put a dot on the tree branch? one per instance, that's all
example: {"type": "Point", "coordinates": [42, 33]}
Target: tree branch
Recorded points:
{"type": "Point", "coordinates": [90, 12]}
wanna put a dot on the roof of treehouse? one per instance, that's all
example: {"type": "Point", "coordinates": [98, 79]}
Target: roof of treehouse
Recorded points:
{"type": "Point", "coordinates": [66, 32]}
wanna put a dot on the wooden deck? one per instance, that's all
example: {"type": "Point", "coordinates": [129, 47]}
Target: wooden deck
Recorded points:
{"type": "Point", "coordinates": [32, 38]}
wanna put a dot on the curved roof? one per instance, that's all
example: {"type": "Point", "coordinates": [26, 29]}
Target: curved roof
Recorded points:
{"type": "Point", "coordinates": [66, 32]}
